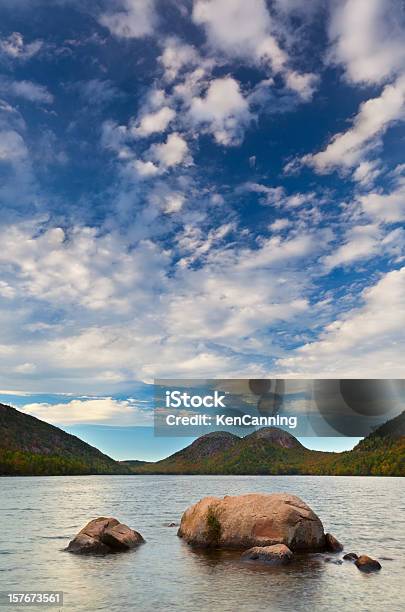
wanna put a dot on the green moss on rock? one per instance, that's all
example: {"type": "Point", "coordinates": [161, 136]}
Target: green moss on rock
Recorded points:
{"type": "Point", "coordinates": [213, 527]}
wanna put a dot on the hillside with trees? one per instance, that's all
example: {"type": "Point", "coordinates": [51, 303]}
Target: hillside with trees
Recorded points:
{"type": "Point", "coordinates": [31, 447]}
{"type": "Point", "coordinates": [273, 451]}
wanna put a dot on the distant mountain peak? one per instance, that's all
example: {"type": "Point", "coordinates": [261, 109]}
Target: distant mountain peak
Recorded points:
{"type": "Point", "coordinates": [206, 446]}
{"type": "Point", "coordinates": [276, 436]}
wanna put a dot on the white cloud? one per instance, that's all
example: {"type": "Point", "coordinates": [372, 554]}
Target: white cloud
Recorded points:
{"type": "Point", "coordinates": [279, 225]}
{"type": "Point", "coordinates": [304, 84]}
{"type": "Point", "coordinates": [277, 196]}
{"type": "Point", "coordinates": [365, 342]}
{"type": "Point", "coordinates": [12, 147]}
{"type": "Point", "coordinates": [103, 410]}
{"type": "Point", "coordinates": [197, 245]}
{"type": "Point", "coordinates": [98, 92]}
{"type": "Point", "coordinates": [246, 30]}
{"type": "Point", "coordinates": [132, 19]}
{"type": "Point", "coordinates": [375, 116]}
{"type": "Point", "coordinates": [239, 29]}
{"type": "Point", "coordinates": [152, 123]}
{"type": "Point", "coordinates": [191, 84]}
{"type": "Point", "coordinates": [361, 242]}
{"type": "Point", "coordinates": [174, 203]}
{"type": "Point", "coordinates": [272, 195]}
{"type": "Point", "coordinates": [385, 207]}
{"type": "Point", "coordinates": [10, 117]}
{"type": "Point", "coordinates": [217, 297]}
{"type": "Point", "coordinates": [176, 56]}
{"type": "Point", "coordinates": [299, 199]}
{"type": "Point", "coordinates": [127, 312]}
{"type": "Point", "coordinates": [14, 392]}
{"type": "Point", "coordinates": [114, 137]}
{"type": "Point", "coordinates": [6, 291]}
{"type": "Point", "coordinates": [366, 173]}
{"type": "Point", "coordinates": [223, 110]}
{"type": "Point", "coordinates": [215, 304]}
{"type": "Point", "coordinates": [368, 38]}
{"type": "Point", "coordinates": [14, 47]}
{"type": "Point", "coordinates": [168, 196]}
{"type": "Point", "coordinates": [25, 368]}
{"type": "Point", "coordinates": [79, 268]}
{"type": "Point", "coordinates": [276, 250]}
{"type": "Point", "coordinates": [27, 90]}
{"type": "Point", "coordinates": [172, 152]}
{"type": "Point", "coordinates": [145, 169]}
{"type": "Point", "coordinates": [155, 160]}
{"type": "Point", "coordinates": [18, 187]}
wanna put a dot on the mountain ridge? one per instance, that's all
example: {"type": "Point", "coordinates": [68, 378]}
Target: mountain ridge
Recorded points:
{"type": "Point", "coordinates": [274, 451]}
{"type": "Point", "coordinates": [31, 447]}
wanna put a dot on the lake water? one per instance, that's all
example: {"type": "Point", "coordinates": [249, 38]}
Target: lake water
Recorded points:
{"type": "Point", "coordinates": [40, 515]}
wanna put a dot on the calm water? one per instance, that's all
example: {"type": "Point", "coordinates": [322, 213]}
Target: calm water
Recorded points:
{"type": "Point", "coordinates": [40, 515]}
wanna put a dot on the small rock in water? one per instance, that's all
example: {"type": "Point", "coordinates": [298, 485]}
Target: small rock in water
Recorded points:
{"type": "Point", "coordinates": [367, 564]}
{"type": "Point", "coordinates": [278, 554]}
{"type": "Point", "coordinates": [332, 544]}
{"type": "Point", "coordinates": [104, 535]}
{"type": "Point", "coordinates": [350, 557]}
{"type": "Point", "coordinates": [172, 524]}
{"type": "Point", "coordinates": [334, 561]}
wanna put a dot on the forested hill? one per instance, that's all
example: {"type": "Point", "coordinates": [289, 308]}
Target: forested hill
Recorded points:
{"type": "Point", "coordinates": [29, 446]}
{"type": "Point", "coordinates": [273, 451]}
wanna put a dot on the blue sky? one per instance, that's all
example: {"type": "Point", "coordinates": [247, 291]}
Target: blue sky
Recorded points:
{"type": "Point", "coordinates": [207, 189]}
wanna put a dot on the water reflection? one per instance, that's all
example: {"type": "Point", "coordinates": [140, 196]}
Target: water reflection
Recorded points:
{"type": "Point", "coordinates": [367, 514]}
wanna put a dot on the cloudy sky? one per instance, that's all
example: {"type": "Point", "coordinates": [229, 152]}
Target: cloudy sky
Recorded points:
{"type": "Point", "coordinates": [197, 188]}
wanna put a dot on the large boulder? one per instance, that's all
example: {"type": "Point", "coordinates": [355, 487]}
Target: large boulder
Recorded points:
{"type": "Point", "coordinates": [278, 554]}
{"type": "Point", "coordinates": [104, 535]}
{"type": "Point", "coordinates": [255, 519]}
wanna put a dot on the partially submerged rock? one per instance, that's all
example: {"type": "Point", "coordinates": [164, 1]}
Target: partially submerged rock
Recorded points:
{"type": "Point", "coordinates": [334, 561]}
{"type": "Point", "coordinates": [367, 564]}
{"type": "Point", "coordinates": [332, 544]}
{"type": "Point", "coordinates": [104, 535]}
{"type": "Point", "coordinates": [350, 556]}
{"type": "Point", "coordinates": [83, 544]}
{"type": "Point", "coordinates": [278, 554]}
{"type": "Point", "coordinates": [245, 521]}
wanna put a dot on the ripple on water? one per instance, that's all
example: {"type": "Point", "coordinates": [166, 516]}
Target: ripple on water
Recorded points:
{"type": "Point", "coordinates": [366, 514]}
